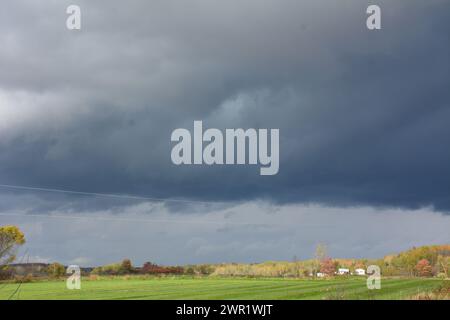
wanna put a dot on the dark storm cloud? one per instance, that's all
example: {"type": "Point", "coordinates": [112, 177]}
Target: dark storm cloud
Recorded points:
{"type": "Point", "coordinates": [363, 116]}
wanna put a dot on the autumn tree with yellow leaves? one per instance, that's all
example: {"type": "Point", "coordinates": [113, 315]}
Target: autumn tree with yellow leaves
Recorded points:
{"type": "Point", "coordinates": [11, 238]}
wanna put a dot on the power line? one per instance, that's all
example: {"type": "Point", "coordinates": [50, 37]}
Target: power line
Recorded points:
{"type": "Point", "coordinates": [61, 216]}
{"type": "Point", "coordinates": [196, 221]}
{"type": "Point", "coordinates": [108, 195]}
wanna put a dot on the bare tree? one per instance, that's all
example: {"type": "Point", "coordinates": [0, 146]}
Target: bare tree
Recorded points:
{"type": "Point", "coordinates": [321, 252]}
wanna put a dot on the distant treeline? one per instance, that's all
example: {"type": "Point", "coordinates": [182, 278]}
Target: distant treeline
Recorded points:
{"type": "Point", "coordinates": [417, 262]}
{"type": "Point", "coordinates": [426, 261]}
{"type": "Point", "coordinates": [126, 267]}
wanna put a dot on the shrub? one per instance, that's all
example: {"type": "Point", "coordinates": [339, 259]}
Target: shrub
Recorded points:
{"type": "Point", "coordinates": [110, 269]}
{"type": "Point", "coordinates": [335, 293]}
{"type": "Point", "coordinates": [23, 279]}
{"type": "Point", "coordinates": [440, 293]}
{"type": "Point", "coordinates": [151, 268]}
{"type": "Point", "coordinates": [5, 274]}
{"type": "Point", "coordinates": [56, 270]}
{"type": "Point", "coordinates": [94, 277]}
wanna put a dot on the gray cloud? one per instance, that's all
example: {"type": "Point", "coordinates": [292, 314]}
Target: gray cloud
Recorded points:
{"type": "Point", "coordinates": [249, 232]}
{"type": "Point", "coordinates": [363, 115]}
{"type": "Point", "coordinates": [97, 107]}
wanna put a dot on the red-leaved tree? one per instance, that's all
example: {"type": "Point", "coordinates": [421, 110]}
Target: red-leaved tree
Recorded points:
{"type": "Point", "coordinates": [423, 268]}
{"type": "Point", "coordinates": [327, 266]}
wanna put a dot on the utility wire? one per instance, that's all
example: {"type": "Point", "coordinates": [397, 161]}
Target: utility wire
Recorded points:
{"type": "Point", "coordinates": [64, 216]}
{"type": "Point", "coordinates": [108, 195]}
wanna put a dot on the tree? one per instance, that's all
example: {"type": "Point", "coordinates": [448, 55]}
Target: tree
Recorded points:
{"type": "Point", "coordinates": [56, 270]}
{"type": "Point", "coordinates": [320, 255]}
{"type": "Point", "coordinates": [443, 265]}
{"type": "Point", "coordinates": [149, 267]}
{"type": "Point", "coordinates": [321, 252]}
{"type": "Point", "coordinates": [126, 266]}
{"type": "Point", "coordinates": [328, 267]}
{"type": "Point", "coordinates": [423, 268]}
{"type": "Point", "coordinates": [10, 239]}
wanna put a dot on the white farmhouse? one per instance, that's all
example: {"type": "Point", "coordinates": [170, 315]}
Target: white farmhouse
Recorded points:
{"type": "Point", "coordinates": [360, 272]}
{"type": "Point", "coordinates": [342, 271]}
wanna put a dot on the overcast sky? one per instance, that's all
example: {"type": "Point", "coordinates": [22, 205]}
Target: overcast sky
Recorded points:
{"type": "Point", "coordinates": [364, 119]}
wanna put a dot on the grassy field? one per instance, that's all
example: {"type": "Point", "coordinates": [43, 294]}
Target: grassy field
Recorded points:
{"type": "Point", "coordinates": [222, 288]}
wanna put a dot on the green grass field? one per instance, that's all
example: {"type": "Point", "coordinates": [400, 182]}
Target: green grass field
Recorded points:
{"type": "Point", "coordinates": [218, 288]}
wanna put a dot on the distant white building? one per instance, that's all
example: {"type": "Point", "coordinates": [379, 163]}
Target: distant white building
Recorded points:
{"type": "Point", "coordinates": [320, 275]}
{"type": "Point", "coordinates": [342, 271]}
{"type": "Point", "coordinates": [360, 272]}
